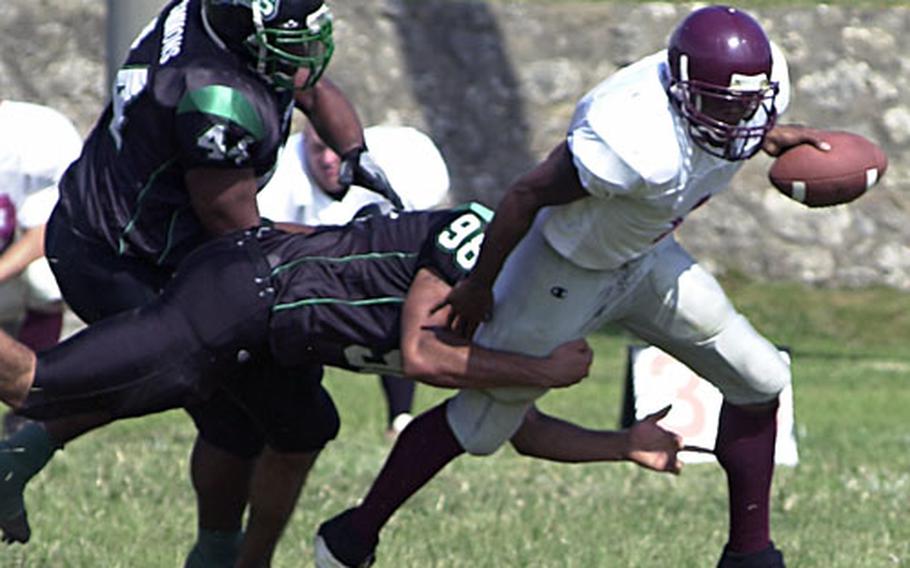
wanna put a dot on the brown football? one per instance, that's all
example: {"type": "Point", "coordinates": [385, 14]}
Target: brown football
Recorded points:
{"type": "Point", "coordinates": [840, 175]}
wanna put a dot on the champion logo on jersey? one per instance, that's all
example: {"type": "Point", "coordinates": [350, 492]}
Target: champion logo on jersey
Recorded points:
{"type": "Point", "coordinates": [559, 292]}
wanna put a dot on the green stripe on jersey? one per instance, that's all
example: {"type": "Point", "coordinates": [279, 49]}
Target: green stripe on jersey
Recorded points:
{"type": "Point", "coordinates": [323, 301]}
{"type": "Point", "coordinates": [342, 259]}
{"type": "Point", "coordinates": [140, 202]}
{"type": "Point", "coordinates": [225, 102]}
{"type": "Point", "coordinates": [479, 209]}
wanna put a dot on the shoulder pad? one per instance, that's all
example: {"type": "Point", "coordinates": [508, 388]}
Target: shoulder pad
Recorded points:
{"type": "Point", "coordinates": [226, 103]}
{"type": "Point", "coordinates": [630, 111]}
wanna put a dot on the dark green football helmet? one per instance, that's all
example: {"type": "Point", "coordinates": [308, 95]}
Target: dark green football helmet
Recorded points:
{"type": "Point", "coordinates": [278, 37]}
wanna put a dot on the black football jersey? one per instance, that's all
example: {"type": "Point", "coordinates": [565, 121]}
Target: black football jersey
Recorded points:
{"type": "Point", "coordinates": [340, 291]}
{"type": "Point", "coordinates": [180, 101]}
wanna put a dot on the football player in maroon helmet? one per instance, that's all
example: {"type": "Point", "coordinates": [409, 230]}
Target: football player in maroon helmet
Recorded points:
{"type": "Point", "coordinates": [586, 238]}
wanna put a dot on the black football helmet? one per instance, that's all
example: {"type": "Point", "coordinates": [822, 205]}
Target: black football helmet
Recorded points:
{"type": "Point", "coordinates": [720, 67]}
{"type": "Point", "coordinates": [278, 37]}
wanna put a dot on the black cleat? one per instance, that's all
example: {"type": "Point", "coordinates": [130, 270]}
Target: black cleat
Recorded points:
{"type": "Point", "coordinates": [769, 557]}
{"type": "Point", "coordinates": [12, 423]}
{"type": "Point", "coordinates": [13, 518]}
{"type": "Point", "coordinates": [338, 547]}
{"type": "Point", "coordinates": [15, 529]}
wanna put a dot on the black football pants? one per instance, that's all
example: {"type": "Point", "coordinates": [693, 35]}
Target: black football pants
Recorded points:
{"type": "Point", "coordinates": [201, 345]}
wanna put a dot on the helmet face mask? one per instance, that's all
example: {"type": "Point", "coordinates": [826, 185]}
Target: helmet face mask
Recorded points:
{"type": "Point", "coordinates": [283, 47]}
{"type": "Point", "coordinates": [726, 123]}
{"type": "Point", "coordinates": [720, 69]}
{"type": "Point", "coordinates": [279, 37]}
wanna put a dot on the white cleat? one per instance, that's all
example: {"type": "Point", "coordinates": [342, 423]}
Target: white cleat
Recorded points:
{"type": "Point", "coordinates": [324, 557]}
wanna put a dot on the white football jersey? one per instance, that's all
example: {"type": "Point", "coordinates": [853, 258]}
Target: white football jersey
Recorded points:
{"type": "Point", "coordinates": [37, 144]}
{"type": "Point", "coordinates": [410, 160]}
{"type": "Point", "coordinates": [634, 156]}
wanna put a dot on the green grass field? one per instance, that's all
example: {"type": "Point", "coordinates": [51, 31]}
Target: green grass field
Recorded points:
{"type": "Point", "coordinates": [121, 497]}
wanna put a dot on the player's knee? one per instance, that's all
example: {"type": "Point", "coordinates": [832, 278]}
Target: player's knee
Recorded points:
{"type": "Point", "coordinates": [481, 443]}
{"type": "Point", "coordinates": [289, 463]}
{"type": "Point", "coordinates": [482, 423]}
{"type": "Point", "coordinates": [759, 370]}
{"type": "Point", "coordinates": [225, 431]}
{"type": "Point", "coordinates": [769, 374]}
{"type": "Point", "coordinates": [763, 380]}
{"type": "Point", "coordinates": [778, 378]}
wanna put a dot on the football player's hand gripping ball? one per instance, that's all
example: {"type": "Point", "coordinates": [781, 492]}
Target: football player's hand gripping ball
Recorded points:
{"type": "Point", "coordinates": [782, 138]}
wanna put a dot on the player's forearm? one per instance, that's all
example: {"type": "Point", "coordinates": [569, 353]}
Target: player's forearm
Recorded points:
{"type": "Point", "coordinates": [444, 360]}
{"type": "Point", "coordinates": [514, 216]}
{"type": "Point", "coordinates": [28, 248]}
{"type": "Point", "coordinates": [552, 182]}
{"type": "Point", "coordinates": [433, 354]}
{"type": "Point", "coordinates": [545, 437]}
{"type": "Point", "coordinates": [332, 115]}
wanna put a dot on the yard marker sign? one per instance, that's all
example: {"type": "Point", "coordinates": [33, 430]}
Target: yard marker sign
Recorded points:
{"type": "Point", "coordinates": [654, 379]}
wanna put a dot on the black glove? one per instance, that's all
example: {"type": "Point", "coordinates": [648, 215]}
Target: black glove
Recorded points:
{"type": "Point", "coordinates": [358, 168]}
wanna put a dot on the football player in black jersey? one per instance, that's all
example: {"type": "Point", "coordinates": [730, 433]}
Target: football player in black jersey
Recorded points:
{"type": "Point", "coordinates": [260, 311]}
{"type": "Point", "coordinates": [198, 113]}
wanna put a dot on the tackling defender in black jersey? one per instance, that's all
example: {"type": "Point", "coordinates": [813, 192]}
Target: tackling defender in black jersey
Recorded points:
{"type": "Point", "coordinates": [197, 115]}
{"type": "Point", "coordinates": [266, 298]}
{"type": "Point", "coordinates": [190, 136]}
{"type": "Point", "coordinates": [360, 296]}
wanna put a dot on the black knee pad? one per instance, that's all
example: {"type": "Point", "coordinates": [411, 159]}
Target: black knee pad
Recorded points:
{"type": "Point", "coordinates": [227, 426]}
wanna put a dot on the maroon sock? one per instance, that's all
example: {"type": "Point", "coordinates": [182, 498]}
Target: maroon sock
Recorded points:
{"type": "Point", "coordinates": [422, 449]}
{"type": "Point", "coordinates": [41, 330]}
{"type": "Point", "coordinates": [745, 449]}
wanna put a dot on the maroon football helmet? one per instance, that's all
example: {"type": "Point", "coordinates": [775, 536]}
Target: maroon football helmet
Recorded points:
{"type": "Point", "coordinates": [720, 68]}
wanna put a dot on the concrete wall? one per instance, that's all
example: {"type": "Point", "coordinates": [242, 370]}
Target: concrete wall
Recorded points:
{"type": "Point", "coordinates": [495, 85]}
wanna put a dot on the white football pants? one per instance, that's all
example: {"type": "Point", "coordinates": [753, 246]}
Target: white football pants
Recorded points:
{"type": "Point", "coordinates": [664, 297]}
{"type": "Point", "coordinates": [36, 289]}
